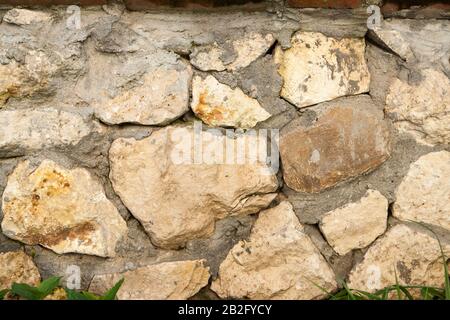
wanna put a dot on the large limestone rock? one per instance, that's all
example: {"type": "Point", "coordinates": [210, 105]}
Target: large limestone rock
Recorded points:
{"type": "Point", "coordinates": [233, 54]}
{"type": "Point", "coordinates": [177, 280]}
{"type": "Point", "coordinates": [318, 68]}
{"type": "Point", "coordinates": [356, 225]}
{"type": "Point", "coordinates": [424, 194]}
{"type": "Point", "coordinates": [348, 137]}
{"type": "Point", "coordinates": [26, 17]}
{"type": "Point", "coordinates": [219, 105]}
{"type": "Point", "coordinates": [422, 109]}
{"type": "Point", "coordinates": [35, 129]}
{"type": "Point", "coordinates": [17, 267]}
{"type": "Point", "coordinates": [279, 261]}
{"type": "Point", "coordinates": [151, 89]}
{"type": "Point", "coordinates": [60, 209]}
{"type": "Point", "coordinates": [412, 254]}
{"type": "Point", "coordinates": [177, 186]}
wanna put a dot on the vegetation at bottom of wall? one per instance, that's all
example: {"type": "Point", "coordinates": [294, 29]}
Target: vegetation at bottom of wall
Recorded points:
{"type": "Point", "coordinates": [49, 286]}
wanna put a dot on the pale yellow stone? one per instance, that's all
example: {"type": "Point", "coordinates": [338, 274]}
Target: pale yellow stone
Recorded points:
{"type": "Point", "coordinates": [61, 209]}
{"type": "Point", "coordinates": [17, 267]}
{"type": "Point", "coordinates": [177, 280]}
{"type": "Point", "coordinates": [357, 224]}
{"type": "Point", "coordinates": [279, 261]}
{"type": "Point", "coordinates": [26, 17]}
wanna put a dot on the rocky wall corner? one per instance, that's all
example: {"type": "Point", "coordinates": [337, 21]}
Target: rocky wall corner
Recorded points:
{"type": "Point", "coordinates": [94, 114]}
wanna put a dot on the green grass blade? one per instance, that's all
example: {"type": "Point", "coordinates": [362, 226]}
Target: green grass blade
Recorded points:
{"type": "Point", "coordinates": [397, 287]}
{"type": "Point", "coordinates": [111, 294]}
{"type": "Point", "coordinates": [406, 292]}
{"type": "Point", "coordinates": [351, 296]}
{"type": "Point", "coordinates": [90, 296]}
{"type": "Point", "coordinates": [25, 291]}
{"type": "Point", "coordinates": [3, 293]}
{"type": "Point", "coordinates": [74, 295]}
{"type": "Point", "coordinates": [47, 286]}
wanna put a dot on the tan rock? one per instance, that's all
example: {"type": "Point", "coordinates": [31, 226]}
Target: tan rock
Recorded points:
{"type": "Point", "coordinates": [219, 105]}
{"type": "Point", "coordinates": [424, 193]}
{"type": "Point", "coordinates": [178, 197]}
{"type": "Point", "coordinates": [17, 267]}
{"type": "Point", "coordinates": [177, 280]}
{"type": "Point", "coordinates": [422, 109]}
{"type": "Point", "coordinates": [35, 129]}
{"type": "Point", "coordinates": [60, 209]}
{"type": "Point", "coordinates": [245, 50]}
{"type": "Point", "coordinates": [357, 224]}
{"type": "Point", "coordinates": [318, 68]}
{"type": "Point", "coordinates": [279, 261]}
{"type": "Point", "coordinates": [26, 17]}
{"type": "Point", "coordinates": [413, 254]}
{"type": "Point", "coordinates": [348, 137]}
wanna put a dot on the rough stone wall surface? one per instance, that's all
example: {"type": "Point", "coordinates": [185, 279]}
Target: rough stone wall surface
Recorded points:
{"type": "Point", "coordinates": [100, 166]}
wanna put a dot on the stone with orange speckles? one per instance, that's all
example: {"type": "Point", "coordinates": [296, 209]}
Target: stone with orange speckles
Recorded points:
{"type": "Point", "coordinates": [60, 209]}
{"type": "Point", "coordinates": [17, 267]}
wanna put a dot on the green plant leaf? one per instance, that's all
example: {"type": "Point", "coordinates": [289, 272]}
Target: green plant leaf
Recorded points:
{"type": "Point", "coordinates": [111, 294]}
{"type": "Point", "coordinates": [25, 291]}
{"type": "Point", "coordinates": [3, 293]}
{"type": "Point", "coordinates": [47, 286]}
{"type": "Point", "coordinates": [74, 295]}
{"type": "Point", "coordinates": [90, 296]}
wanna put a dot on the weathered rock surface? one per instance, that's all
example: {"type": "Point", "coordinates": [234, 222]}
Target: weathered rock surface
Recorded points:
{"type": "Point", "coordinates": [315, 62]}
{"type": "Point", "coordinates": [413, 254]}
{"type": "Point", "coordinates": [279, 261]}
{"type": "Point", "coordinates": [348, 137]}
{"type": "Point", "coordinates": [357, 224]}
{"type": "Point", "coordinates": [60, 209]}
{"type": "Point", "coordinates": [150, 89]}
{"type": "Point", "coordinates": [17, 267]}
{"type": "Point", "coordinates": [26, 17]}
{"type": "Point", "coordinates": [177, 187]}
{"type": "Point", "coordinates": [424, 194]}
{"type": "Point", "coordinates": [34, 129]}
{"type": "Point", "coordinates": [422, 108]}
{"type": "Point", "coordinates": [177, 280]}
{"type": "Point", "coordinates": [219, 105]}
{"type": "Point", "coordinates": [233, 54]}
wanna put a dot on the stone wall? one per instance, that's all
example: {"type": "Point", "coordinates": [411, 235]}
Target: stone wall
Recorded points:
{"type": "Point", "coordinates": [94, 117]}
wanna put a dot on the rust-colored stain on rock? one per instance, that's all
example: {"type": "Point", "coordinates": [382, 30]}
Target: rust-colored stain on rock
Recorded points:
{"type": "Point", "coordinates": [209, 114]}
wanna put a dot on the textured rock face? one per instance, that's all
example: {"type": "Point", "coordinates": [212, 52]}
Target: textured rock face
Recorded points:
{"type": "Point", "coordinates": [232, 55]}
{"type": "Point", "coordinates": [25, 17]}
{"type": "Point", "coordinates": [176, 199]}
{"type": "Point", "coordinates": [424, 194]}
{"type": "Point", "coordinates": [315, 62]}
{"type": "Point", "coordinates": [17, 267]}
{"type": "Point", "coordinates": [422, 109]}
{"type": "Point", "coordinates": [30, 130]}
{"type": "Point", "coordinates": [415, 256]}
{"type": "Point", "coordinates": [348, 138]}
{"type": "Point", "coordinates": [63, 210]}
{"type": "Point", "coordinates": [279, 261]}
{"type": "Point", "coordinates": [219, 105]}
{"type": "Point", "coordinates": [356, 225]}
{"type": "Point", "coordinates": [165, 281]}
{"type": "Point", "coordinates": [151, 89]}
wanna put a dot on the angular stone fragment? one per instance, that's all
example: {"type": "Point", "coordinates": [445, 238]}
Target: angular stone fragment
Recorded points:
{"type": "Point", "coordinates": [219, 105]}
{"type": "Point", "coordinates": [348, 137]}
{"type": "Point", "coordinates": [177, 186]}
{"type": "Point", "coordinates": [279, 261]}
{"type": "Point", "coordinates": [150, 89]}
{"type": "Point", "coordinates": [414, 255]}
{"type": "Point", "coordinates": [232, 55]}
{"type": "Point", "coordinates": [424, 194]}
{"type": "Point", "coordinates": [356, 225]}
{"type": "Point", "coordinates": [35, 129]}
{"type": "Point", "coordinates": [177, 280]}
{"type": "Point", "coordinates": [422, 109]}
{"type": "Point", "coordinates": [60, 209]}
{"type": "Point", "coordinates": [25, 17]}
{"type": "Point", "coordinates": [318, 68]}
{"type": "Point", "coordinates": [17, 267]}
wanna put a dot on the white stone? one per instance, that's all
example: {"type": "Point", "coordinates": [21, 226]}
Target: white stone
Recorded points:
{"type": "Point", "coordinates": [318, 68]}
{"type": "Point", "coordinates": [177, 199]}
{"type": "Point", "coordinates": [25, 17]}
{"type": "Point", "coordinates": [424, 193]}
{"type": "Point", "coordinates": [177, 280]}
{"type": "Point", "coordinates": [61, 209]}
{"type": "Point", "coordinates": [357, 224]}
{"type": "Point", "coordinates": [422, 109]}
{"type": "Point", "coordinates": [219, 105]}
{"type": "Point", "coordinates": [279, 261]}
